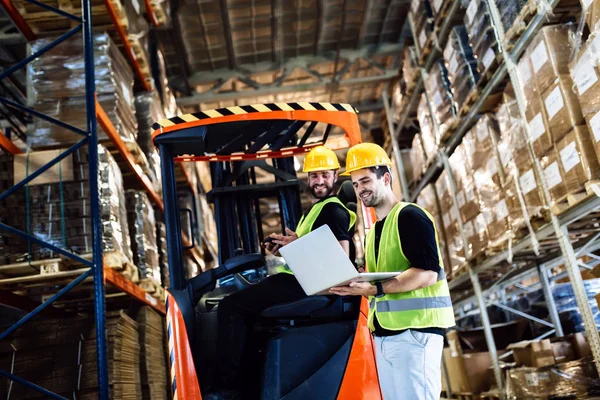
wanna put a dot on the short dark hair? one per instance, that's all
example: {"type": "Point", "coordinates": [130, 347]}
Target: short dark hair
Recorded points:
{"type": "Point", "coordinates": [380, 171]}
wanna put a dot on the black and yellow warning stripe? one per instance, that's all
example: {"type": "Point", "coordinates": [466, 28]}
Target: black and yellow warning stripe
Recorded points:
{"type": "Point", "coordinates": [254, 108]}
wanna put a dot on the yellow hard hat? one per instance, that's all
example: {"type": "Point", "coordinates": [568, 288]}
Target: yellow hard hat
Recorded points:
{"type": "Point", "coordinates": [320, 159]}
{"type": "Point", "coordinates": [365, 155]}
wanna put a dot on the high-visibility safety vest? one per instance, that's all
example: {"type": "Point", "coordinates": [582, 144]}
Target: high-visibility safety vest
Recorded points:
{"type": "Point", "coordinates": [429, 307]}
{"type": "Point", "coordinates": [307, 221]}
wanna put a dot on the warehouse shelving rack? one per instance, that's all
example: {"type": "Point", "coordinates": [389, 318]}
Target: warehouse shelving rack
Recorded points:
{"type": "Point", "coordinates": [561, 241]}
{"type": "Point", "coordinates": [94, 115]}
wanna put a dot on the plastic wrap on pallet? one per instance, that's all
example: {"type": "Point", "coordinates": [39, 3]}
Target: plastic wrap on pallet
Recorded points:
{"type": "Point", "coordinates": [426, 127]}
{"type": "Point", "coordinates": [449, 216]}
{"type": "Point", "coordinates": [562, 107]}
{"type": "Point", "coordinates": [591, 9]}
{"type": "Point", "coordinates": [409, 68]}
{"type": "Point", "coordinates": [466, 193]}
{"type": "Point", "coordinates": [509, 11]}
{"type": "Point", "coordinates": [578, 159]}
{"type": "Point", "coordinates": [441, 98]}
{"type": "Point", "coordinates": [142, 230]}
{"type": "Point", "coordinates": [573, 380]}
{"type": "Point", "coordinates": [417, 158]}
{"type": "Point", "coordinates": [549, 54]}
{"type": "Point", "coordinates": [58, 85]}
{"type": "Point", "coordinates": [554, 176]}
{"type": "Point", "coordinates": [58, 207]}
{"type": "Point", "coordinates": [462, 66]}
{"type": "Point", "coordinates": [585, 74]}
{"type": "Point", "coordinates": [163, 257]}
{"type": "Point", "coordinates": [148, 110]}
{"type": "Point", "coordinates": [420, 15]}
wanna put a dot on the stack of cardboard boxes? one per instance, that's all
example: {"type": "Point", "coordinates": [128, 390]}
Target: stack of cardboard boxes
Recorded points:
{"type": "Point", "coordinates": [462, 66]}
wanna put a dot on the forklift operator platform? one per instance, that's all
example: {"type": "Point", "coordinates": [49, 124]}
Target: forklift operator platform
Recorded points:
{"type": "Point", "coordinates": [316, 347]}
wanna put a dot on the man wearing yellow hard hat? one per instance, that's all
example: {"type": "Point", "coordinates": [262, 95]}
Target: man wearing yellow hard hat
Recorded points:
{"type": "Point", "coordinates": [239, 309]}
{"type": "Point", "coordinates": [407, 314]}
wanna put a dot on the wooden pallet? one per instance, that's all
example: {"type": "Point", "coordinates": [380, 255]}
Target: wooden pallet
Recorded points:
{"type": "Point", "coordinates": [567, 202]}
{"type": "Point", "coordinates": [520, 24]}
{"type": "Point", "coordinates": [45, 23]}
{"type": "Point", "coordinates": [153, 288]}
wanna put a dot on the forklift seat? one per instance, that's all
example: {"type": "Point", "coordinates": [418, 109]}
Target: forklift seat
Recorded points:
{"type": "Point", "coordinates": [317, 306]}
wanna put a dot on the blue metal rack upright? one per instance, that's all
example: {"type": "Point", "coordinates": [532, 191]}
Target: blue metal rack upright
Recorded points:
{"type": "Point", "coordinates": [91, 139]}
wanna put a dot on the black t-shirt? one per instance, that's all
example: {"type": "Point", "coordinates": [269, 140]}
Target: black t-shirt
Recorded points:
{"type": "Point", "coordinates": [417, 237]}
{"type": "Point", "coordinates": [338, 219]}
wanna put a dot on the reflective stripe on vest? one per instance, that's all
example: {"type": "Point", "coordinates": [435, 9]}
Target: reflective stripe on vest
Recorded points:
{"type": "Point", "coordinates": [307, 221]}
{"type": "Point", "coordinates": [422, 308]}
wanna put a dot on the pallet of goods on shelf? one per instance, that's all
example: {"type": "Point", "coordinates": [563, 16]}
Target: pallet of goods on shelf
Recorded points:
{"type": "Point", "coordinates": [58, 84]}
{"type": "Point", "coordinates": [417, 158]}
{"type": "Point", "coordinates": [561, 141]}
{"type": "Point", "coordinates": [462, 68]}
{"type": "Point", "coordinates": [142, 230]}
{"type": "Point", "coordinates": [429, 139]}
{"type": "Point", "coordinates": [55, 208]}
{"type": "Point", "coordinates": [409, 69]}
{"type": "Point", "coordinates": [163, 257]}
{"type": "Point", "coordinates": [60, 355]}
{"type": "Point", "coordinates": [148, 110]}
{"type": "Point", "coordinates": [428, 200]}
{"type": "Point", "coordinates": [483, 39]}
{"type": "Point", "coordinates": [441, 100]}
{"type": "Point", "coordinates": [161, 10]}
{"type": "Point", "coordinates": [421, 18]}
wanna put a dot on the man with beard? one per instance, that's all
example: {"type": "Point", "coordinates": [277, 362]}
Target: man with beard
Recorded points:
{"type": "Point", "coordinates": [407, 314]}
{"type": "Point", "coordinates": [237, 312]}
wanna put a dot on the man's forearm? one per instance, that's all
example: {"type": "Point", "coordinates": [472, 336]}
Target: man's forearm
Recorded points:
{"type": "Point", "coordinates": [409, 280]}
{"type": "Point", "coordinates": [346, 246]}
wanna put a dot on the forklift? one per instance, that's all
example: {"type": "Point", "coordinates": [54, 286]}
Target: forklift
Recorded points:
{"type": "Point", "coordinates": [319, 347]}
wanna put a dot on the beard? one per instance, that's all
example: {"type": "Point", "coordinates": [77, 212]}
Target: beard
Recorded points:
{"type": "Point", "coordinates": [369, 198]}
{"type": "Point", "coordinates": [323, 191]}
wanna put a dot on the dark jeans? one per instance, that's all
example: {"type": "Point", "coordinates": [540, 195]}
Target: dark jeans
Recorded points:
{"type": "Point", "coordinates": [238, 312]}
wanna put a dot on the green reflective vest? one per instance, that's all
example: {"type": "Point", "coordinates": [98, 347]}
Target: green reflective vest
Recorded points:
{"type": "Point", "coordinates": [422, 308]}
{"type": "Point", "coordinates": [307, 221]}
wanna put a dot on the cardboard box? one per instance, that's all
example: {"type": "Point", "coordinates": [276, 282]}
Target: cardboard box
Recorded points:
{"type": "Point", "coordinates": [562, 107]}
{"type": "Point", "coordinates": [575, 379]}
{"type": "Point", "coordinates": [531, 192]}
{"type": "Point", "coordinates": [28, 163]}
{"type": "Point", "coordinates": [549, 54]}
{"type": "Point", "coordinates": [586, 77]}
{"type": "Point", "coordinates": [533, 353]}
{"type": "Point", "coordinates": [554, 176]}
{"type": "Point", "coordinates": [537, 120]}
{"type": "Point", "coordinates": [578, 159]}
{"type": "Point", "coordinates": [468, 372]}
{"type": "Point", "coordinates": [593, 124]}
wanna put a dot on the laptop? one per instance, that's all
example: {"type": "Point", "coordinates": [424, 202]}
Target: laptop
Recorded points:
{"type": "Point", "coordinates": [319, 263]}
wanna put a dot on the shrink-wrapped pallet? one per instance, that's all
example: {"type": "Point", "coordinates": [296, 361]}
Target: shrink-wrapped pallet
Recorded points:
{"type": "Point", "coordinates": [428, 137]}
{"type": "Point", "coordinates": [462, 66]}
{"type": "Point", "coordinates": [562, 107]}
{"type": "Point", "coordinates": [142, 230]}
{"type": "Point", "coordinates": [58, 85]}
{"type": "Point", "coordinates": [466, 194]}
{"type": "Point", "coordinates": [163, 257]}
{"type": "Point", "coordinates": [578, 159]}
{"type": "Point", "coordinates": [417, 158]}
{"type": "Point", "coordinates": [549, 54]}
{"type": "Point", "coordinates": [482, 36]}
{"type": "Point", "coordinates": [442, 101]}
{"type": "Point", "coordinates": [55, 206]}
